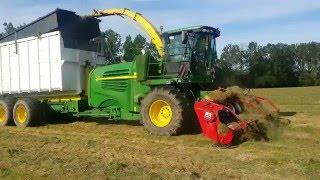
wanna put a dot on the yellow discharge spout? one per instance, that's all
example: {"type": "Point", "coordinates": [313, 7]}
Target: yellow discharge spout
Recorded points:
{"type": "Point", "coordinates": [146, 25]}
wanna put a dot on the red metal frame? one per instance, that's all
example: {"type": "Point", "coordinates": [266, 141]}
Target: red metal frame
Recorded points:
{"type": "Point", "coordinates": [208, 117]}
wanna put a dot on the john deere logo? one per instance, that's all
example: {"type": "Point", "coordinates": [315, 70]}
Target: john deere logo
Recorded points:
{"type": "Point", "coordinates": [208, 116]}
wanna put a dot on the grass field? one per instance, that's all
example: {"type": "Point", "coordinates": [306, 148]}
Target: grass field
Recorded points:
{"type": "Point", "coordinates": [100, 149]}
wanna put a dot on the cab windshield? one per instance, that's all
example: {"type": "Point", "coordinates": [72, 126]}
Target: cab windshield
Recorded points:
{"type": "Point", "coordinates": [198, 46]}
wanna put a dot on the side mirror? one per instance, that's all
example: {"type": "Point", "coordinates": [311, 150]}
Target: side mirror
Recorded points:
{"type": "Point", "coordinates": [184, 37]}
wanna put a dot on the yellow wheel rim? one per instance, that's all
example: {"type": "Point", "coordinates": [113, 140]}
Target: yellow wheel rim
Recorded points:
{"type": "Point", "coordinates": [3, 113]}
{"type": "Point", "coordinates": [21, 113]}
{"type": "Point", "coordinates": [160, 113]}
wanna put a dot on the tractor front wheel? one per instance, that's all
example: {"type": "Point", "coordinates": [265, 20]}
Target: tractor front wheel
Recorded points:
{"type": "Point", "coordinates": [166, 111]}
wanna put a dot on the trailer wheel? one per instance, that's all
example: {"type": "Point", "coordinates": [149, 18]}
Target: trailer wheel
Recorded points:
{"type": "Point", "coordinates": [26, 112]}
{"type": "Point", "coordinates": [166, 111]}
{"type": "Point", "coordinates": [6, 107]}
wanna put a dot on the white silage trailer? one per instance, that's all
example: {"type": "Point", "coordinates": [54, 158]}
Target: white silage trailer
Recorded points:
{"type": "Point", "coordinates": [46, 61]}
{"type": "Point", "coordinates": [48, 56]}
{"type": "Point", "coordinates": [42, 64]}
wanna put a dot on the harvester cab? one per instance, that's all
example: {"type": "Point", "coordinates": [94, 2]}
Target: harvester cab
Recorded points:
{"type": "Point", "coordinates": [192, 53]}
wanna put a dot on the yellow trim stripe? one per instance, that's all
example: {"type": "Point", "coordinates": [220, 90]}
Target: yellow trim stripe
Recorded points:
{"type": "Point", "coordinates": [64, 99]}
{"type": "Point", "coordinates": [134, 76]}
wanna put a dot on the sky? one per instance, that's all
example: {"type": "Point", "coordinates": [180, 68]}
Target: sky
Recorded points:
{"type": "Point", "coordinates": [240, 21]}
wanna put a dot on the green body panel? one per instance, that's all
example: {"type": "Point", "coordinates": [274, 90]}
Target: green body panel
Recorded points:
{"type": "Point", "coordinates": [116, 87]}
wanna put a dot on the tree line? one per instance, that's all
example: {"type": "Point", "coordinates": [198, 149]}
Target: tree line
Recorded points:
{"type": "Point", "coordinates": [9, 28]}
{"type": "Point", "coordinates": [272, 65]}
{"type": "Point", "coordinates": [126, 50]}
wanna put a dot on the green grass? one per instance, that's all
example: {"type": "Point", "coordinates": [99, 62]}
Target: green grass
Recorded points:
{"type": "Point", "coordinates": [99, 149]}
{"type": "Point", "coordinates": [301, 99]}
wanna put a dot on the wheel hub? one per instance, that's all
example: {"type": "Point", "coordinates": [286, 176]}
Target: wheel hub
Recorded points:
{"type": "Point", "coordinates": [2, 113]}
{"type": "Point", "coordinates": [21, 113]}
{"type": "Point", "coordinates": [160, 113]}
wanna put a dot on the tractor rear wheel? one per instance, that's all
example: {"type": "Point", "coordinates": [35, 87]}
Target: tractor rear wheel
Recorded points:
{"type": "Point", "coordinates": [166, 111]}
{"type": "Point", "coordinates": [6, 107]}
{"type": "Point", "coordinates": [27, 112]}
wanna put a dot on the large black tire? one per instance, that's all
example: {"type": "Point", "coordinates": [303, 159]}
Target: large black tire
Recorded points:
{"type": "Point", "coordinates": [27, 112]}
{"type": "Point", "coordinates": [181, 110]}
{"type": "Point", "coordinates": [6, 108]}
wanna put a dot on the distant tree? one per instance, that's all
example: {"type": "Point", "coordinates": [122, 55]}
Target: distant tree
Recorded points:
{"type": "Point", "coordinates": [10, 28]}
{"type": "Point", "coordinates": [258, 59]}
{"type": "Point", "coordinates": [133, 48]}
{"type": "Point", "coordinates": [139, 42]}
{"type": "Point", "coordinates": [273, 65]}
{"type": "Point", "coordinates": [128, 47]}
{"type": "Point", "coordinates": [113, 44]}
{"type": "Point", "coordinates": [307, 62]}
{"type": "Point", "coordinates": [233, 58]}
{"type": "Point", "coordinates": [284, 65]}
{"type": "Point", "coordinates": [230, 66]}
{"type": "Point", "coordinates": [21, 26]}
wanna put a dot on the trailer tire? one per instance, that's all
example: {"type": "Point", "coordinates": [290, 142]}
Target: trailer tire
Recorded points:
{"type": "Point", "coordinates": [27, 112]}
{"type": "Point", "coordinates": [166, 111]}
{"type": "Point", "coordinates": [6, 108]}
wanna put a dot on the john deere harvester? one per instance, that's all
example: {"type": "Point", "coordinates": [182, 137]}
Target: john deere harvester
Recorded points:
{"type": "Point", "coordinates": [47, 63]}
{"type": "Point", "coordinates": [158, 88]}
